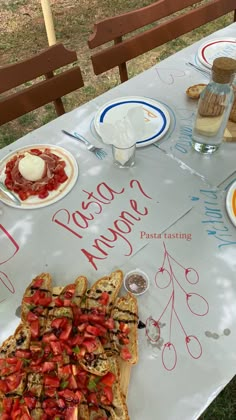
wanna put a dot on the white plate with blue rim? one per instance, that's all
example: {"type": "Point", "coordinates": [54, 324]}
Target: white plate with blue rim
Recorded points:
{"type": "Point", "coordinates": [156, 115]}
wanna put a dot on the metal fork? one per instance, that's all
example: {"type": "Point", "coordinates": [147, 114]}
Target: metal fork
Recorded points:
{"type": "Point", "coordinates": [205, 72]}
{"type": "Point", "coordinates": [98, 151]}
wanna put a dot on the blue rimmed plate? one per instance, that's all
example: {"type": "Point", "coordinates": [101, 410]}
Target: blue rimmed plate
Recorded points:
{"type": "Point", "coordinates": [157, 117]}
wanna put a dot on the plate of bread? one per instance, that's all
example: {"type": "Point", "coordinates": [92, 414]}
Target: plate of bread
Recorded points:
{"type": "Point", "coordinates": [71, 355]}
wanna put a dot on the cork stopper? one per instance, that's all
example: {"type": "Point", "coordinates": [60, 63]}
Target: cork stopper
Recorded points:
{"type": "Point", "coordinates": [223, 69]}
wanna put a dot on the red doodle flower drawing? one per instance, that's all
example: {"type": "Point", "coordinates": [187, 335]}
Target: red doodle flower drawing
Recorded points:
{"type": "Point", "coordinates": [166, 278]}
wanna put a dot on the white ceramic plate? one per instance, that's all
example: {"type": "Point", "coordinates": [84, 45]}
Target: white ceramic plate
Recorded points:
{"type": "Point", "coordinates": [157, 117]}
{"type": "Point", "coordinates": [224, 47]}
{"type": "Point", "coordinates": [34, 202]}
{"type": "Point", "coordinates": [231, 203]}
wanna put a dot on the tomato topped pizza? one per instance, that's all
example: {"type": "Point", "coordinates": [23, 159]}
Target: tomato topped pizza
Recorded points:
{"type": "Point", "coordinates": [63, 360]}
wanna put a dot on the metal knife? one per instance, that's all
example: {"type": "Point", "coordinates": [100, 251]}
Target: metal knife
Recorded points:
{"type": "Point", "coordinates": [9, 194]}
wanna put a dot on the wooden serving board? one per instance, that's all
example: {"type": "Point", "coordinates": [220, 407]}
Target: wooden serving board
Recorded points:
{"type": "Point", "coordinates": [230, 132]}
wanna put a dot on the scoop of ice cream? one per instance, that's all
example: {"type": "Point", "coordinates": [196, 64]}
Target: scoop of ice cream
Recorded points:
{"type": "Point", "coordinates": [32, 167]}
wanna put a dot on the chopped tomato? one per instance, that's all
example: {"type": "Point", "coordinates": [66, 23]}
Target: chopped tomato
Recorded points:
{"type": "Point", "coordinates": [90, 344]}
{"type": "Point", "coordinates": [102, 329]}
{"type": "Point", "coordinates": [76, 340]}
{"type": "Point", "coordinates": [66, 348]}
{"type": "Point", "coordinates": [30, 401]}
{"type": "Point", "coordinates": [31, 317]}
{"type": "Point", "coordinates": [13, 381]}
{"type": "Point", "coordinates": [49, 337]}
{"type": "Point", "coordinates": [7, 405]}
{"type": "Point", "coordinates": [110, 323]}
{"type": "Point", "coordinates": [69, 291]}
{"type": "Point", "coordinates": [38, 283]}
{"type": "Point", "coordinates": [56, 347]}
{"type": "Point", "coordinates": [23, 354]}
{"type": "Point", "coordinates": [124, 328]}
{"type": "Point", "coordinates": [82, 327]}
{"type": "Point", "coordinates": [84, 318]}
{"type": "Point", "coordinates": [51, 381]}
{"type": "Point", "coordinates": [66, 332]}
{"type": "Point", "coordinates": [123, 340]}
{"type": "Point", "coordinates": [72, 384]}
{"type": "Point", "coordinates": [92, 398]}
{"type": "Point", "coordinates": [34, 328]}
{"type": "Point", "coordinates": [58, 302]}
{"type": "Point", "coordinates": [108, 379]}
{"type": "Point", "coordinates": [64, 371]}
{"type": "Point", "coordinates": [104, 298]}
{"type": "Point", "coordinates": [93, 330]}
{"type": "Point", "coordinates": [50, 392]}
{"type": "Point", "coordinates": [3, 386]}
{"type": "Point", "coordinates": [48, 367]}
{"type": "Point", "coordinates": [67, 394]}
{"type": "Point", "coordinates": [125, 353]}
{"type": "Point", "coordinates": [107, 396]}
{"type": "Point", "coordinates": [59, 322]}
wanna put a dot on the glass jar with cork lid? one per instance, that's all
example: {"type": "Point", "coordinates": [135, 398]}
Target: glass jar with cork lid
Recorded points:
{"type": "Point", "coordinates": [214, 107]}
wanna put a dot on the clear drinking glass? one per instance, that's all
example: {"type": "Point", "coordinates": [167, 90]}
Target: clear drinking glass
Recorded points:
{"type": "Point", "coordinates": [124, 157]}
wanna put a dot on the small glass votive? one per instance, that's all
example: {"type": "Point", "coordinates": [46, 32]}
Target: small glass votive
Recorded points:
{"type": "Point", "coordinates": [124, 157]}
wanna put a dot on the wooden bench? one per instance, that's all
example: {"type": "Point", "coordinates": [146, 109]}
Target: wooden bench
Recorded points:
{"type": "Point", "coordinates": [114, 28]}
{"type": "Point", "coordinates": [40, 92]}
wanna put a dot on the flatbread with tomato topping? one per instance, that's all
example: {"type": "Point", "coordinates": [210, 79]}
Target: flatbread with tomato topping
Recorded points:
{"type": "Point", "coordinates": [55, 365]}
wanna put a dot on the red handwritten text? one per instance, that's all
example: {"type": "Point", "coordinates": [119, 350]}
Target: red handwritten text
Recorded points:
{"type": "Point", "coordinates": [78, 221]}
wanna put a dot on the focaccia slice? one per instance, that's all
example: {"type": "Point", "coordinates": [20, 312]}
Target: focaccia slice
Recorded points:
{"type": "Point", "coordinates": [104, 291]}
{"type": "Point", "coordinates": [124, 337]}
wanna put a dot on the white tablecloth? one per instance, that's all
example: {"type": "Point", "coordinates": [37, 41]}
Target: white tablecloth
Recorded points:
{"type": "Point", "coordinates": [178, 233]}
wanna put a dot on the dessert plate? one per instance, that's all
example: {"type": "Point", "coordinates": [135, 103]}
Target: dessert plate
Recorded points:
{"type": "Point", "coordinates": [33, 202]}
{"type": "Point", "coordinates": [223, 47]}
{"type": "Point", "coordinates": [157, 118]}
{"type": "Point", "coordinates": [231, 203]}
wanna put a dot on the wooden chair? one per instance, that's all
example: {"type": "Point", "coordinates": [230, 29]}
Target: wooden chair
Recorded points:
{"type": "Point", "coordinates": [114, 28]}
{"type": "Point", "coordinates": [41, 92]}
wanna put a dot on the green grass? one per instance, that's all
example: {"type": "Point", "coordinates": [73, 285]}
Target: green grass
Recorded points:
{"type": "Point", "coordinates": [22, 33]}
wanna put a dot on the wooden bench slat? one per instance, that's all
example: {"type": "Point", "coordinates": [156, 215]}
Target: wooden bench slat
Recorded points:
{"type": "Point", "coordinates": [44, 92]}
{"type": "Point", "coordinates": [44, 62]}
{"type": "Point", "coordinates": [125, 50]}
{"type": "Point", "coordinates": [116, 26]}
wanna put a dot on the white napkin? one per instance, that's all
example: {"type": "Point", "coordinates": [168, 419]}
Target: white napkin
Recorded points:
{"type": "Point", "coordinates": [124, 132]}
